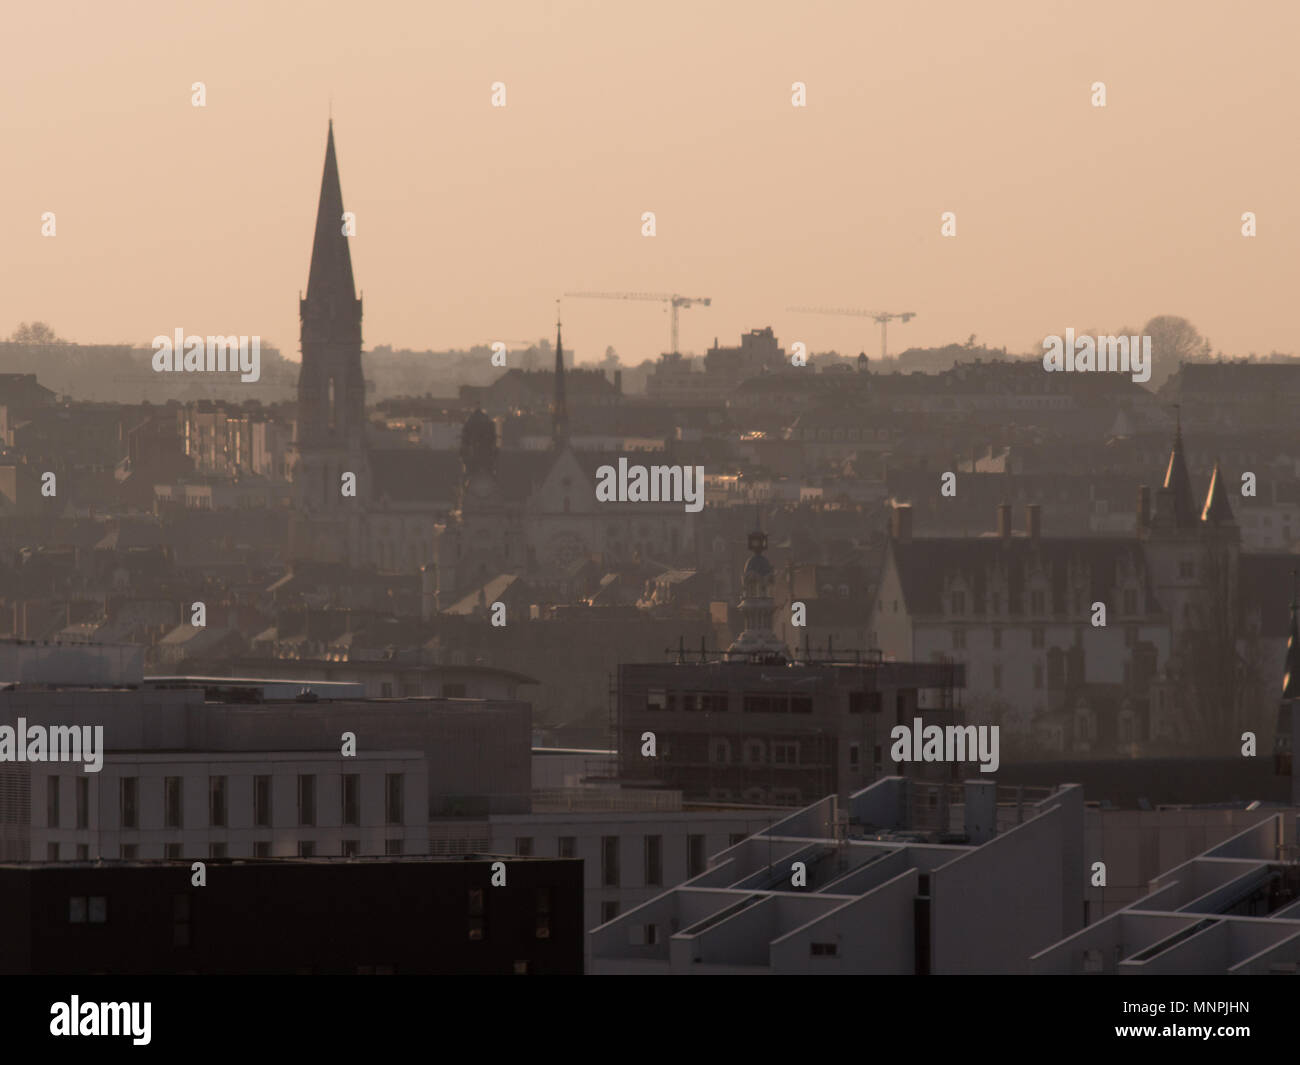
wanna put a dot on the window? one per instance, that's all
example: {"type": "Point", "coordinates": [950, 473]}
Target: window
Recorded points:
{"type": "Point", "coordinates": [959, 639]}
{"type": "Point", "coordinates": [721, 751]}
{"type": "Point", "coordinates": [306, 799]}
{"type": "Point", "coordinates": [1130, 601]}
{"type": "Point", "coordinates": [997, 639]}
{"type": "Point", "coordinates": [855, 753]}
{"type": "Point", "coordinates": [129, 851]}
{"type": "Point", "coordinates": [477, 915]}
{"type": "Point", "coordinates": [216, 850]}
{"type": "Point", "coordinates": [654, 871]}
{"type": "Point", "coordinates": [83, 852]}
{"type": "Point", "coordinates": [262, 802]}
{"type": "Point", "coordinates": [351, 799]}
{"type": "Point", "coordinates": [875, 755]}
{"type": "Point", "coordinates": [860, 702]}
{"type": "Point", "coordinates": [736, 837]}
{"type": "Point", "coordinates": [521, 968]}
{"type": "Point", "coordinates": [1187, 568]}
{"type": "Point", "coordinates": [997, 676]}
{"type": "Point", "coordinates": [524, 846]}
{"type": "Point", "coordinates": [823, 950]}
{"type": "Point", "coordinates": [959, 602]}
{"type": "Point", "coordinates": [995, 603]}
{"type": "Point", "coordinates": [754, 751]}
{"type": "Point", "coordinates": [77, 909]}
{"type": "Point", "coordinates": [386, 689]}
{"type": "Point", "coordinates": [785, 753]}
{"type": "Point", "coordinates": [217, 801]}
{"type": "Point", "coordinates": [351, 848]}
{"type": "Point", "coordinates": [608, 911]}
{"type": "Point", "coordinates": [171, 850]}
{"type": "Point", "coordinates": [262, 848]}
{"type": "Point", "coordinates": [801, 704]}
{"type": "Point", "coordinates": [128, 795]}
{"type": "Point", "coordinates": [83, 802]}
{"type": "Point", "coordinates": [609, 861]}
{"type": "Point", "coordinates": [453, 691]}
{"type": "Point", "coordinates": [567, 847]}
{"type": "Point", "coordinates": [307, 848]}
{"type": "Point", "coordinates": [393, 798]}
{"type": "Point", "coordinates": [52, 802]}
{"type": "Point", "coordinates": [1038, 674]}
{"type": "Point", "coordinates": [694, 855]}
{"type": "Point", "coordinates": [1036, 639]}
{"type": "Point", "coordinates": [172, 802]}
{"type": "Point", "coordinates": [656, 699]}
{"type": "Point", "coordinates": [393, 846]}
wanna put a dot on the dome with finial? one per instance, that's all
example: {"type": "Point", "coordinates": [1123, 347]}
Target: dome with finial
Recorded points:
{"type": "Point", "coordinates": [478, 443]}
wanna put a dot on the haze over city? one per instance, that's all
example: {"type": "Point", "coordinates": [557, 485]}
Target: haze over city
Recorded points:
{"type": "Point", "coordinates": [471, 219]}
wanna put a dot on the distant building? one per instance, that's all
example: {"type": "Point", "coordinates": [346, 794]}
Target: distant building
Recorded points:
{"type": "Point", "coordinates": [760, 724]}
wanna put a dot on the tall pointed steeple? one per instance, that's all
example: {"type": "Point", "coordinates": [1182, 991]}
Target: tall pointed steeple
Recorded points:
{"type": "Point", "coordinates": [331, 259]}
{"type": "Point", "coordinates": [331, 388]}
{"type": "Point", "coordinates": [559, 405]}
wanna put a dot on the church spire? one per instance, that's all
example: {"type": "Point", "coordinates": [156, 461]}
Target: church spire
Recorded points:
{"type": "Point", "coordinates": [1291, 678]}
{"type": "Point", "coordinates": [331, 260]}
{"type": "Point", "coordinates": [559, 406]}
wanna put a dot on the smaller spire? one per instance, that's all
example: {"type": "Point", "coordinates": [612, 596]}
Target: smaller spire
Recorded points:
{"type": "Point", "coordinates": [559, 406]}
{"type": "Point", "coordinates": [1291, 678]}
{"type": "Point", "coordinates": [1217, 509]}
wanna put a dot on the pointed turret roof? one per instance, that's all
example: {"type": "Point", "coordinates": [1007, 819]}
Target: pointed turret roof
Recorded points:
{"type": "Point", "coordinates": [1291, 677]}
{"type": "Point", "coordinates": [331, 260]}
{"type": "Point", "coordinates": [1217, 509]}
{"type": "Point", "coordinates": [1176, 492]}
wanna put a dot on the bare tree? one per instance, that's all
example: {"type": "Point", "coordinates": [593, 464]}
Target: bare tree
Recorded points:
{"type": "Point", "coordinates": [37, 333]}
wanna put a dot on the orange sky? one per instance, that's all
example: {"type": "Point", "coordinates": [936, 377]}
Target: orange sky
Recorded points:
{"type": "Point", "coordinates": [471, 220]}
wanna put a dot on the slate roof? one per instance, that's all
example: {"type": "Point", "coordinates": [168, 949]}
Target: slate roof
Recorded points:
{"type": "Point", "coordinates": [923, 565]}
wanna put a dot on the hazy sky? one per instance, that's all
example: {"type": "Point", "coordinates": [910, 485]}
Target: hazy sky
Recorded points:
{"type": "Point", "coordinates": [472, 219]}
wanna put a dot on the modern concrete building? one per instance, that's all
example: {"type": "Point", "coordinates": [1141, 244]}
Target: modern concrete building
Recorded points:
{"type": "Point", "coordinates": [871, 887]}
{"type": "Point", "coordinates": [1234, 909]}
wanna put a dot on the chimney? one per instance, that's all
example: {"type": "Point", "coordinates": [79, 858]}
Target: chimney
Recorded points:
{"type": "Point", "coordinates": [1144, 509]}
{"type": "Point", "coordinates": [902, 523]}
{"type": "Point", "coordinates": [1033, 520]}
{"type": "Point", "coordinates": [1004, 520]}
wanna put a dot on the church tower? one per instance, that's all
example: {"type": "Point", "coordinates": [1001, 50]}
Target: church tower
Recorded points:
{"type": "Point", "coordinates": [330, 437]}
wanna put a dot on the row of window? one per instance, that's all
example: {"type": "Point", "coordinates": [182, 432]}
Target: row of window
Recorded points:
{"type": "Point", "coordinates": [717, 702]}
{"type": "Point", "coordinates": [610, 866]}
{"type": "Point", "coordinates": [174, 809]}
{"type": "Point", "coordinates": [350, 848]}
{"type": "Point", "coordinates": [1037, 602]}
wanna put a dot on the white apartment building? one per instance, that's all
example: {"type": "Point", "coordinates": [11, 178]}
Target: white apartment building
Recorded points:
{"type": "Point", "coordinates": [230, 805]}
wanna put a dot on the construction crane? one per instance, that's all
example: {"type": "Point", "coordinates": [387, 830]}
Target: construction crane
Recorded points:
{"type": "Point", "coordinates": [673, 299]}
{"type": "Point", "coordinates": [882, 317]}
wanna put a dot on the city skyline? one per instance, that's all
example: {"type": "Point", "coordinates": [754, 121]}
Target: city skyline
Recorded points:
{"type": "Point", "coordinates": [472, 219]}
